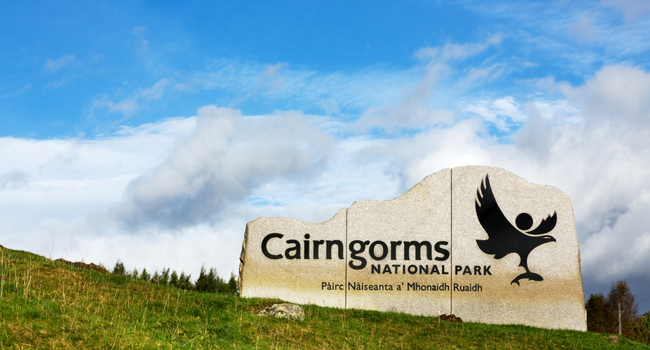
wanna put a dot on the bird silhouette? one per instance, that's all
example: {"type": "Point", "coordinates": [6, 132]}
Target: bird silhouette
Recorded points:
{"type": "Point", "coordinates": [504, 238]}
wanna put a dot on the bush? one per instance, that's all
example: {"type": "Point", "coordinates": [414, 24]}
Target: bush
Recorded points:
{"type": "Point", "coordinates": [145, 276]}
{"type": "Point", "coordinates": [184, 282]}
{"type": "Point", "coordinates": [164, 278]}
{"type": "Point", "coordinates": [205, 283]}
{"type": "Point", "coordinates": [643, 328]}
{"type": "Point", "coordinates": [602, 314]}
{"type": "Point", "coordinates": [156, 276]}
{"type": "Point", "coordinates": [620, 294]}
{"type": "Point", "coordinates": [232, 284]}
{"type": "Point", "coordinates": [211, 282]}
{"type": "Point", "coordinates": [119, 268]}
{"type": "Point", "coordinates": [600, 318]}
{"type": "Point", "coordinates": [174, 279]}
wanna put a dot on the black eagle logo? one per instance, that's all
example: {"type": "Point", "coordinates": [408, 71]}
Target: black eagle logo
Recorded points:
{"type": "Point", "coordinates": [505, 238]}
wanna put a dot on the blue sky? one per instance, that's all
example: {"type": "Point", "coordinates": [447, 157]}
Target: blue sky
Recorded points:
{"type": "Point", "coordinates": [77, 59]}
{"type": "Point", "coordinates": [147, 124]}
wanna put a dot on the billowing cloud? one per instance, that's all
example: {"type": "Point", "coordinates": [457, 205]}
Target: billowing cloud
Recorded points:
{"type": "Point", "coordinates": [226, 158]}
{"type": "Point", "coordinates": [616, 93]}
{"type": "Point", "coordinates": [174, 193]}
{"type": "Point", "coordinates": [63, 179]}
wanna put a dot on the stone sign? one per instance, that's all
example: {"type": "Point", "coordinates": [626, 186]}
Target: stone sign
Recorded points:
{"type": "Point", "coordinates": [477, 242]}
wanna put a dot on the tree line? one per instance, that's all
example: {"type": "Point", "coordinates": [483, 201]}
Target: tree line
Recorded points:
{"type": "Point", "coordinates": [209, 282]}
{"type": "Point", "coordinates": [602, 314]}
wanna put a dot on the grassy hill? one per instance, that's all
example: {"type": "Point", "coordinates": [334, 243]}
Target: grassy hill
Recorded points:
{"type": "Point", "coordinates": [48, 304]}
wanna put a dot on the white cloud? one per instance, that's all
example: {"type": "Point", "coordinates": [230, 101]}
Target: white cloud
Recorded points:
{"type": "Point", "coordinates": [547, 33]}
{"type": "Point", "coordinates": [133, 103]}
{"type": "Point", "coordinates": [127, 106]}
{"type": "Point", "coordinates": [156, 91]}
{"type": "Point", "coordinates": [631, 9]}
{"type": "Point", "coordinates": [66, 178]}
{"type": "Point", "coordinates": [477, 74]}
{"type": "Point", "coordinates": [56, 84]}
{"type": "Point", "coordinates": [18, 92]}
{"type": "Point", "coordinates": [415, 109]}
{"type": "Point", "coordinates": [226, 158]}
{"type": "Point", "coordinates": [150, 195]}
{"type": "Point", "coordinates": [624, 243]}
{"type": "Point", "coordinates": [56, 65]}
{"type": "Point", "coordinates": [502, 112]}
{"type": "Point", "coordinates": [330, 106]}
{"type": "Point", "coordinates": [13, 179]}
{"type": "Point", "coordinates": [450, 51]}
{"type": "Point", "coordinates": [615, 92]}
{"type": "Point", "coordinates": [308, 88]}
{"type": "Point", "coordinates": [583, 29]}
{"type": "Point", "coordinates": [272, 78]}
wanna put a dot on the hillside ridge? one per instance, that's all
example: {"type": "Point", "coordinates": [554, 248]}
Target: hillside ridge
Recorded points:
{"type": "Point", "coordinates": [51, 304]}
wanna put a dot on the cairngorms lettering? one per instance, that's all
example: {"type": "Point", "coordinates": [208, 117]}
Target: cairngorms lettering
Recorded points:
{"type": "Point", "coordinates": [377, 250]}
{"type": "Point", "coordinates": [293, 252]}
{"type": "Point", "coordinates": [358, 247]}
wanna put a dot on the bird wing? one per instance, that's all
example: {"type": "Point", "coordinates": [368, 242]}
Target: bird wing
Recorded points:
{"type": "Point", "coordinates": [545, 226]}
{"type": "Point", "coordinates": [500, 231]}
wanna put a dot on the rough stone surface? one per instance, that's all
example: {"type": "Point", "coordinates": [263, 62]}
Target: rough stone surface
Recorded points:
{"type": "Point", "coordinates": [288, 311]}
{"type": "Point", "coordinates": [503, 253]}
{"type": "Point", "coordinates": [421, 214]}
{"type": "Point", "coordinates": [297, 280]}
{"type": "Point", "coordinates": [555, 302]}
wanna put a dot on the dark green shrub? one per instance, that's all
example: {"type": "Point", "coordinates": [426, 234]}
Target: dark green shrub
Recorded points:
{"type": "Point", "coordinates": [145, 276]}
{"type": "Point", "coordinates": [164, 277]}
{"type": "Point", "coordinates": [211, 282]}
{"type": "Point", "coordinates": [232, 284]}
{"type": "Point", "coordinates": [602, 314]}
{"type": "Point", "coordinates": [184, 282]}
{"type": "Point", "coordinates": [119, 268]}
{"type": "Point", "coordinates": [174, 279]}
{"type": "Point", "coordinates": [600, 318]}
{"type": "Point", "coordinates": [156, 277]}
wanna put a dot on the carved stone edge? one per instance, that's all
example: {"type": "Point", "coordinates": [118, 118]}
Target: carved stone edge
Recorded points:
{"type": "Point", "coordinates": [242, 256]}
{"type": "Point", "coordinates": [242, 259]}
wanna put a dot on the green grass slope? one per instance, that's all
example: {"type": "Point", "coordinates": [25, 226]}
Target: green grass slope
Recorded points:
{"type": "Point", "coordinates": [51, 305]}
